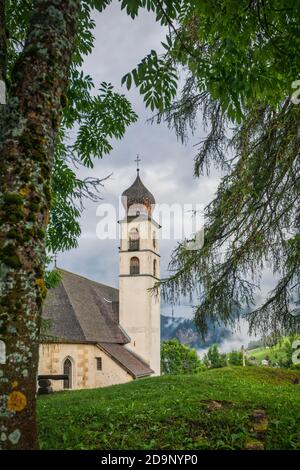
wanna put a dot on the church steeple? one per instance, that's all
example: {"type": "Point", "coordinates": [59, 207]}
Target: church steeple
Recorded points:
{"type": "Point", "coordinates": [138, 196]}
{"type": "Point", "coordinates": [139, 312]}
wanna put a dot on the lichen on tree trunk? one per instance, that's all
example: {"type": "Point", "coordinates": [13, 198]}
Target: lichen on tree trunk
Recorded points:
{"type": "Point", "coordinates": [3, 42]}
{"type": "Point", "coordinates": [3, 54]}
{"type": "Point", "coordinates": [29, 125]}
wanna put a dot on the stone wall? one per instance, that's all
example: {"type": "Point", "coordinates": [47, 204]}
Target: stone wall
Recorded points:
{"type": "Point", "coordinates": [84, 366]}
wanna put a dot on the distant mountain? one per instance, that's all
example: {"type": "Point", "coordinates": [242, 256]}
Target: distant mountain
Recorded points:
{"type": "Point", "coordinates": [185, 331]}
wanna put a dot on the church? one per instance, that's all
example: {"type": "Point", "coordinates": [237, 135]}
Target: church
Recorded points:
{"type": "Point", "coordinates": [98, 335]}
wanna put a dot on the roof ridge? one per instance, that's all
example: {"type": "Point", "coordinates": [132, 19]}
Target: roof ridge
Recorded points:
{"type": "Point", "coordinates": [87, 279]}
{"type": "Point", "coordinates": [124, 332]}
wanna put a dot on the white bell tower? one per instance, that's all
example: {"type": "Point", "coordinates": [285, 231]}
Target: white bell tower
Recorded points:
{"type": "Point", "coordinates": [139, 310]}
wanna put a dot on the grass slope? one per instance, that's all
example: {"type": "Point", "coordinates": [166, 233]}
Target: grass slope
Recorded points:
{"type": "Point", "coordinates": [275, 353]}
{"type": "Point", "coordinates": [176, 412]}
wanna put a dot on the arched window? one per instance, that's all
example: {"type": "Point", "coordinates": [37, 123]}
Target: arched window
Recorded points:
{"type": "Point", "coordinates": [154, 267]}
{"type": "Point", "coordinates": [134, 265]}
{"type": "Point", "coordinates": [154, 239]}
{"type": "Point", "coordinates": [134, 239]}
{"type": "Point", "coordinates": [68, 372]}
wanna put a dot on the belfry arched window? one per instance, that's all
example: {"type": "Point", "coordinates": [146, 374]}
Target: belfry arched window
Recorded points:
{"type": "Point", "coordinates": [68, 372]}
{"type": "Point", "coordinates": [134, 265]}
{"type": "Point", "coordinates": [134, 239]}
{"type": "Point", "coordinates": [154, 267]}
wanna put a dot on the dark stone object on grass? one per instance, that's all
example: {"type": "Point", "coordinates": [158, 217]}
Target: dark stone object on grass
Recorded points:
{"type": "Point", "coordinates": [44, 382]}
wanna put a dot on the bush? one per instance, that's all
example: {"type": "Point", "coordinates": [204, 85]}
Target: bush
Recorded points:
{"type": "Point", "coordinates": [214, 359]}
{"type": "Point", "coordinates": [235, 358]}
{"type": "Point", "coordinates": [177, 358]}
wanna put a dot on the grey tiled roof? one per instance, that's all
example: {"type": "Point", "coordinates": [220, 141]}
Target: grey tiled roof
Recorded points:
{"type": "Point", "coordinates": [82, 310]}
{"type": "Point", "coordinates": [127, 359]}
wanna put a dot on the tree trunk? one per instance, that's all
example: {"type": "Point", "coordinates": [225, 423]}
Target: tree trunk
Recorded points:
{"type": "Point", "coordinates": [29, 127]}
{"type": "Point", "coordinates": [3, 42]}
{"type": "Point", "coordinates": [3, 55]}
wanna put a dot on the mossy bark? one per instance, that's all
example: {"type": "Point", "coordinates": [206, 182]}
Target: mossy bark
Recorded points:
{"type": "Point", "coordinates": [3, 41]}
{"type": "Point", "coordinates": [27, 138]}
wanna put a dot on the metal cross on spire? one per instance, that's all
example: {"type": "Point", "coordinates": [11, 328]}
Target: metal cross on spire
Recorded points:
{"type": "Point", "coordinates": [137, 160]}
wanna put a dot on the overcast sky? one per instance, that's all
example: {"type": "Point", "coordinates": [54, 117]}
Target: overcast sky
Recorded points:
{"type": "Point", "coordinates": [167, 165]}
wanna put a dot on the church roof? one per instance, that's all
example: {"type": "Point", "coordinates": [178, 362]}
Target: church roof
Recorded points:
{"type": "Point", "coordinates": [137, 193]}
{"type": "Point", "coordinates": [81, 310]}
{"type": "Point", "coordinates": [127, 359]}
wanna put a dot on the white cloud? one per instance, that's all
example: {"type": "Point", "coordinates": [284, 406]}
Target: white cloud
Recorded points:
{"type": "Point", "coordinates": [238, 338]}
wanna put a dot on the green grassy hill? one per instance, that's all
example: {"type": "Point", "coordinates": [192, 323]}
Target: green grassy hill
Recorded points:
{"type": "Point", "coordinates": [217, 409]}
{"type": "Point", "coordinates": [275, 353]}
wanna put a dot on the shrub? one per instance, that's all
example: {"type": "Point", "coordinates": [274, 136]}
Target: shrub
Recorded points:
{"type": "Point", "coordinates": [214, 359]}
{"type": "Point", "coordinates": [177, 358]}
{"type": "Point", "coordinates": [235, 358]}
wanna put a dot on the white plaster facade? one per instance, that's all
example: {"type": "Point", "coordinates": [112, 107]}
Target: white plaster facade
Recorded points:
{"type": "Point", "coordinates": [139, 313]}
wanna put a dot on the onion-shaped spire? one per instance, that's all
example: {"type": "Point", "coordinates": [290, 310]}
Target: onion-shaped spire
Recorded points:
{"type": "Point", "coordinates": [138, 195]}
